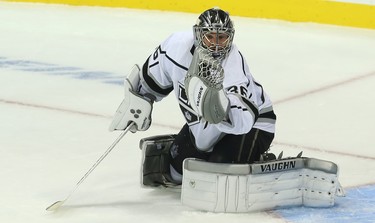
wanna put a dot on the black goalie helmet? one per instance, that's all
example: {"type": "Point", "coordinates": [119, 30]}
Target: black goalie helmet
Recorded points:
{"type": "Point", "coordinates": [214, 31]}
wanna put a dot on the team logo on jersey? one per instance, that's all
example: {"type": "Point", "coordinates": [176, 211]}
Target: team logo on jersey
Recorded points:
{"type": "Point", "coordinates": [190, 115]}
{"type": "Point", "coordinates": [182, 97]}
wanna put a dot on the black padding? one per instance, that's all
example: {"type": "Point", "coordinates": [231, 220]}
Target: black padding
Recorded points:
{"type": "Point", "coordinates": [157, 160]}
{"type": "Point", "coordinates": [245, 148]}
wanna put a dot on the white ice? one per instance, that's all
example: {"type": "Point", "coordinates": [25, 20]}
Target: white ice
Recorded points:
{"type": "Point", "coordinates": [54, 127]}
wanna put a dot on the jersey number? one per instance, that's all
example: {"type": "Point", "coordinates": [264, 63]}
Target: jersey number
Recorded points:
{"type": "Point", "coordinates": [238, 90]}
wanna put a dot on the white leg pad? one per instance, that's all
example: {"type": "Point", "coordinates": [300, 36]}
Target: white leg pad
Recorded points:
{"type": "Point", "coordinates": [253, 187]}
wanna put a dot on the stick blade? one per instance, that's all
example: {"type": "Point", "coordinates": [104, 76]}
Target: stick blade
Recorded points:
{"type": "Point", "coordinates": [55, 206]}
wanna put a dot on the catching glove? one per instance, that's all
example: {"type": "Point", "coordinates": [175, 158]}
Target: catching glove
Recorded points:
{"type": "Point", "coordinates": [204, 87]}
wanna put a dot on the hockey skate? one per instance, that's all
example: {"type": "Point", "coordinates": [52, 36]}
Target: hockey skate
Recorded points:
{"type": "Point", "coordinates": [267, 156]}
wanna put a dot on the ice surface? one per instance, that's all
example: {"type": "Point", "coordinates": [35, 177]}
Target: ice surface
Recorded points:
{"type": "Point", "coordinates": [61, 70]}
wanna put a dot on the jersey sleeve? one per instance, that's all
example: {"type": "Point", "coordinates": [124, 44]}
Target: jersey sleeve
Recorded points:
{"type": "Point", "coordinates": [252, 109]}
{"type": "Point", "coordinates": [158, 70]}
{"type": "Point", "coordinates": [154, 78]}
{"type": "Point", "coordinates": [250, 106]}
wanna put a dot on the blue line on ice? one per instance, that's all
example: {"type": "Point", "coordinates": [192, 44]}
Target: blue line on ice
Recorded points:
{"type": "Point", "coordinates": [357, 206]}
{"type": "Point", "coordinates": [54, 69]}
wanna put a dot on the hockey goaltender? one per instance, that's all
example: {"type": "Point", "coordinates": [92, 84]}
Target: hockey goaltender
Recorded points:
{"type": "Point", "coordinates": [220, 158]}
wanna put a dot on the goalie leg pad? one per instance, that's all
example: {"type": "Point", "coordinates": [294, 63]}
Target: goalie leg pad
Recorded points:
{"type": "Point", "coordinates": [155, 169]}
{"type": "Point", "coordinates": [219, 187]}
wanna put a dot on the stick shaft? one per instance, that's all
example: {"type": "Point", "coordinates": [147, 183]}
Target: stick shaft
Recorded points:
{"type": "Point", "coordinates": [57, 204]}
{"type": "Point", "coordinates": [105, 154]}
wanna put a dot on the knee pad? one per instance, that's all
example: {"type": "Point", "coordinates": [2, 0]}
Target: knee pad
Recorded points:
{"type": "Point", "coordinates": [155, 169]}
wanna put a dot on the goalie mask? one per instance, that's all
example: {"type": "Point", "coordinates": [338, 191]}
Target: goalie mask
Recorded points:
{"type": "Point", "coordinates": [214, 31]}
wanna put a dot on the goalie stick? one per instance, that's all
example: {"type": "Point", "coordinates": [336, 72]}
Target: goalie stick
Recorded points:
{"type": "Point", "coordinates": [58, 204]}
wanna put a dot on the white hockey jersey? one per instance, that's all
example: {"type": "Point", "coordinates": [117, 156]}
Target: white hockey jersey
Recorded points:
{"type": "Point", "coordinates": [250, 107]}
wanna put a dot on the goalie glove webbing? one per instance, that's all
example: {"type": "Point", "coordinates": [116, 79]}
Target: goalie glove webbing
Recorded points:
{"type": "Point", "coordinates": [204, 87]}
